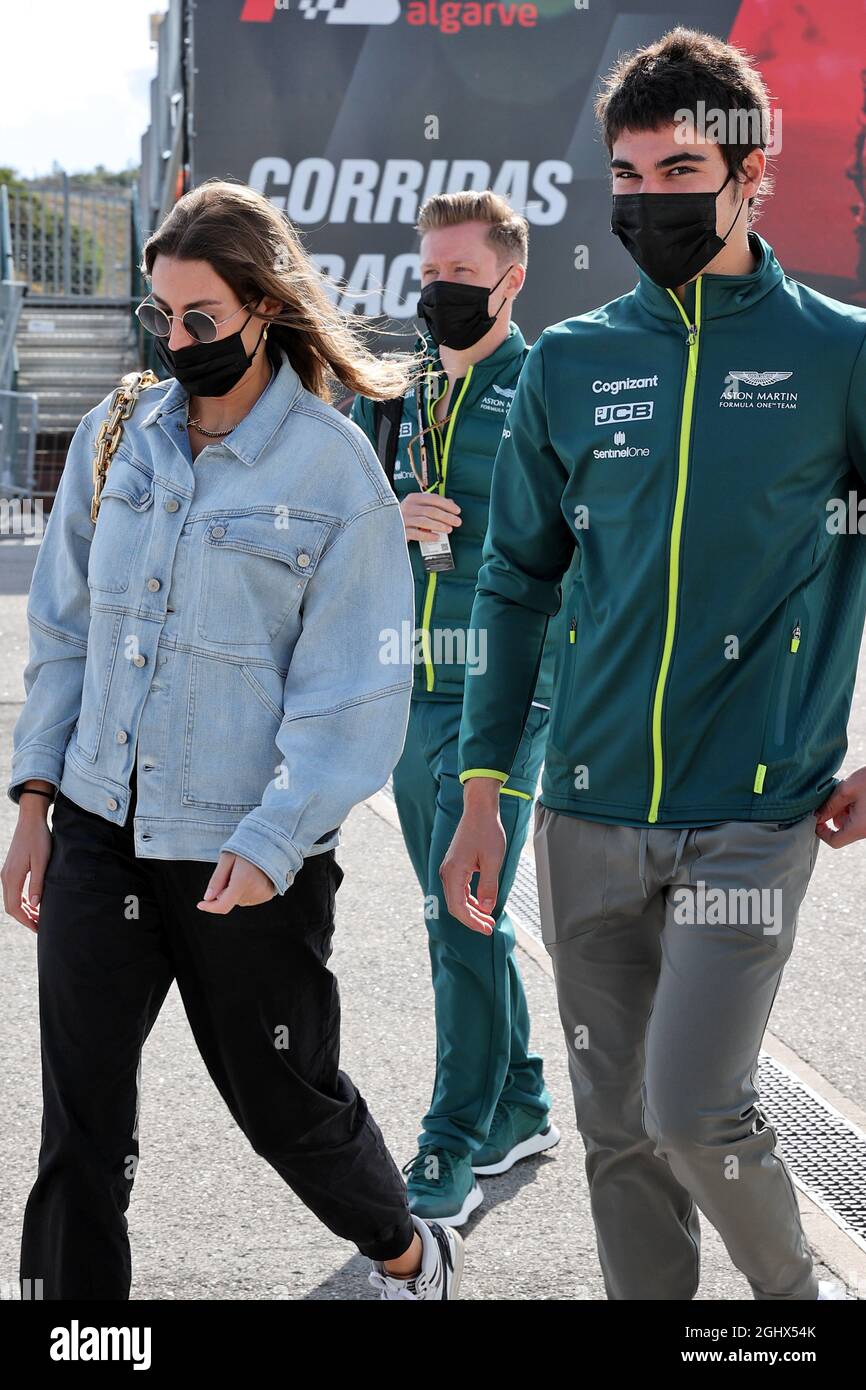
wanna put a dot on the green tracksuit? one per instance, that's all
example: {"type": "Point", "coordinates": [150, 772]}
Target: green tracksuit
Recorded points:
{"type": "Point", "coordinates": [703, 462]}
{"type": "Point", "coordinates": [482, 1022]}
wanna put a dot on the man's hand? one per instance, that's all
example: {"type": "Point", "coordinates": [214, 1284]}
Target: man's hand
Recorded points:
{"type": "Point", "coordinates": [479, 843]}
{"type": "Point", "coordinates": [846, 808]}
{"type": "Point", "coordinates": [235, 882]}
{"type": "Point", "coordinates": [427, 515]}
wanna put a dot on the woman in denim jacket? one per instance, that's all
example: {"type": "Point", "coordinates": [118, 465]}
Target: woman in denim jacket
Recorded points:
{"type": "Point", "coordinates": [218, 673]}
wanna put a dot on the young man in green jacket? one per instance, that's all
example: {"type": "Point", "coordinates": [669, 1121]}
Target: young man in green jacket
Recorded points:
{"type": "Point", "coordinates": [697, 441]}
{"type": "Point", "coordinates": [490, 1106]}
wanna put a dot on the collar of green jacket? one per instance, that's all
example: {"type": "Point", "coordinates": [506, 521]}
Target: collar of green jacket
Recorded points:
{"type": "Point", "coordinates": [720, 294]}
{"type": "Point", "coordinates": [710, 656]}
{"type": "Point", "coordinates": [510, 352]}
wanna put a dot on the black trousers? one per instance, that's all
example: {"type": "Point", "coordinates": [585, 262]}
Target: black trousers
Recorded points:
{"type": "Point", "coordinates": [114, 932]}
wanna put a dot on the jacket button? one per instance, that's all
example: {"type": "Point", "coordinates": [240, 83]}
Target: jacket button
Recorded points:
{"type": "Point", "coordinates": [218, 531]}
{"type": "Point", "coordinates": [139, 660]}
{"type": "Point", "coordinates": [121, 736]}
{"type": "Point", "coordinates": [303, 559]}
{"type": "Point", "coordinates": [111, 804]}
{"type": "Point", "coordinates": [153, 585]}
{"type": "Point", "coordinates": [172, 504]}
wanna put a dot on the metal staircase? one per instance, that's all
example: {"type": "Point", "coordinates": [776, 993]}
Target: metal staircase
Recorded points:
{"type": "Point", "coordinates": [72, 355]}
{"type": "Point", "coordinates": [70, 271]}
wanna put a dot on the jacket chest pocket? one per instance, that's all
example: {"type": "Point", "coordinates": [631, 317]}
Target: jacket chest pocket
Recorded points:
{"type": "Point", "coordinates": [255, 568]}
{"type": "Point", "coordinates": [125, 506]}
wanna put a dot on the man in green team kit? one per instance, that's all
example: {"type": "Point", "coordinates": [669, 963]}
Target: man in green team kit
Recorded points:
{"type": "Point", "coordinates": [691, 440]}
{"type": "Point", "coordinates": [490, 1106]}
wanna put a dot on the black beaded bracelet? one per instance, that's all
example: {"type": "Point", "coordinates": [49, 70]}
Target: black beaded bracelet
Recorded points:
{"type": "Point", "coordinates": [37, 791]}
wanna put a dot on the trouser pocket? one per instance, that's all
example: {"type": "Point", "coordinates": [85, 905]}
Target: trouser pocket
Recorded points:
{"type": "Point", "coordinates": [752, 876]}
{"type": "Point", "coordinates": [570, 861]}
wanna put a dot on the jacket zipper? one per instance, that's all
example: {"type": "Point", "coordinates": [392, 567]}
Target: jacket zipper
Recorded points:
{"type": "Point", "coordinates": [685, 440]}
{"type": "Point", "coordinates": [432, 577]}
{"type": "Point", "coordinates": [572, 631]}
{"type": "Point", "coordinates": [785, 690]}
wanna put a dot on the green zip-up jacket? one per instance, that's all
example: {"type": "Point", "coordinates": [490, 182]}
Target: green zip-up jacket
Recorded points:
{"type": "Point", "coordinates": [466, 450]}
{"type": "Point", "coordinates": [704, 461]}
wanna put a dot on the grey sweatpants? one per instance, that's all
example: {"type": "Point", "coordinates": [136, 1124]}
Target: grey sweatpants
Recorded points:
{"type": "Point", "coordinates": [668, 948]}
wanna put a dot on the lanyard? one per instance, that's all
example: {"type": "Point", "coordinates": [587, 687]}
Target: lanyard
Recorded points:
{"type": "Point", "coordinates": [422, 441]}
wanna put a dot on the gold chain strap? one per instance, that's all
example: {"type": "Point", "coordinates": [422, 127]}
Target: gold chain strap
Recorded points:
{"type": "Point", "coordinates": [111, 430]}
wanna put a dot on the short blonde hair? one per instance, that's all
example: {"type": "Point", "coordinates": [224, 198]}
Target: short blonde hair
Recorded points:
{"type": "Point", "coordinates": [508, 232]}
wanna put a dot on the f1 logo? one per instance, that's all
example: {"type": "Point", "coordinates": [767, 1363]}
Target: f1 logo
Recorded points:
{"type": "Point", "coordinates": [335, 11]}
{"type": "Point", "coordinates": [619, 414]}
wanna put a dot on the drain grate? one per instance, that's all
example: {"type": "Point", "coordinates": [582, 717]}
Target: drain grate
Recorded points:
{"type": "Point", "coordinates": [825, 1152]}
{"type": "Point", "coordinates": [523, 898]}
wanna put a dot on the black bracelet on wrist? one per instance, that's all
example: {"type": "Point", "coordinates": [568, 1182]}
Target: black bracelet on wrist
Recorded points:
{"type": "Point", "coordinates": [37, 791]}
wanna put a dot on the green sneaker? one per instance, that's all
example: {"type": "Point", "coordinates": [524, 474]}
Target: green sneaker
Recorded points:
{"type": "Point", "coordinates": [516, 1131]}
{"type": "Point", "coordinates": [441, 1186]}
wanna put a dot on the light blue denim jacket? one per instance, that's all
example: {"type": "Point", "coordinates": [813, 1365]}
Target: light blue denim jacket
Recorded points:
{"type": "Point", "coordinates": [243, 618]}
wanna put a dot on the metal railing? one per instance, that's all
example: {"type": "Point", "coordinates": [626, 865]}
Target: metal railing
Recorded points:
{"type": "Point", "coordinates": [146, 341]}
{"type": "Point", "coordinates": [11, 297]}
{"type": "Point", "coordinates": [62, 247]}
{"type": "Point", "coordinates": [18, 409]}
{"type": "Point", "coordinates": [70, 241]}
{"type": "Point", "coordinates": [19, 415]}
{"type": "Point", "coordinates": [6, 270]}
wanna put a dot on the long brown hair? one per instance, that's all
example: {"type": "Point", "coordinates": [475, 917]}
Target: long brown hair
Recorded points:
{"type": "Point", "coordinates": [257, 251]}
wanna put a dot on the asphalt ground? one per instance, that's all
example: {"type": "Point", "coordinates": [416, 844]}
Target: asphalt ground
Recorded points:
{"type": "Point", "coordinates": [209, 1219]}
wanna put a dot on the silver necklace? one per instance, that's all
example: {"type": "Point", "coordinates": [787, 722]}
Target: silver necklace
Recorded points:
{"type": "Point", "coordinates": [216, 434]}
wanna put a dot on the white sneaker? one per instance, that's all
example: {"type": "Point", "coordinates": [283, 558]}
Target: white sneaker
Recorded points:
{"type": "Point", "coordinates": [441, 1266]}
{"type": "Point", "coordinates": [831, 1288]}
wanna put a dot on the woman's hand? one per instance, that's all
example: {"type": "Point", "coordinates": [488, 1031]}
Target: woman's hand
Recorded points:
{"type": "Point", "coordinates": [426, 515]}
{"type": "Point", "coordinates": [235, 882]}
{"type": "Point", "coordinates": [29, 853]}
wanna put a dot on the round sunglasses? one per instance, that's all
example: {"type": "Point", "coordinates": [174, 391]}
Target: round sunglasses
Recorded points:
{"type": "Point", "coordinates": [198, 325]}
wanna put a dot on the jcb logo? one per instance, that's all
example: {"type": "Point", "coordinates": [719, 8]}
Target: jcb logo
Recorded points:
{"type": "Point", "coordinates": [619, 414]}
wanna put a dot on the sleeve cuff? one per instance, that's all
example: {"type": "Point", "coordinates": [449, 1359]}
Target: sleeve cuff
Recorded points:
{"type": "Point", "coordinates": [279, 860]}
{"type": "Point", "coordinates": [483, 772]}
{"type": "Point", "coordinates": [44, 765]}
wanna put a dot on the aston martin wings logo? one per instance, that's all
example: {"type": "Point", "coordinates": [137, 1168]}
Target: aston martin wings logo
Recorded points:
{"type": "Point", "coordinates": [504, 391]}
{"type": "Point", "coordinates": [760, 378]}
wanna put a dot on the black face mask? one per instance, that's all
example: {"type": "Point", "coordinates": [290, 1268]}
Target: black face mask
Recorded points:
{"type": "Point", "coordinates": [671, 236]}
{"type": "Point", "coordinates": [209, 369]}
{"type": "Point", "coordinates": [456, 314]}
